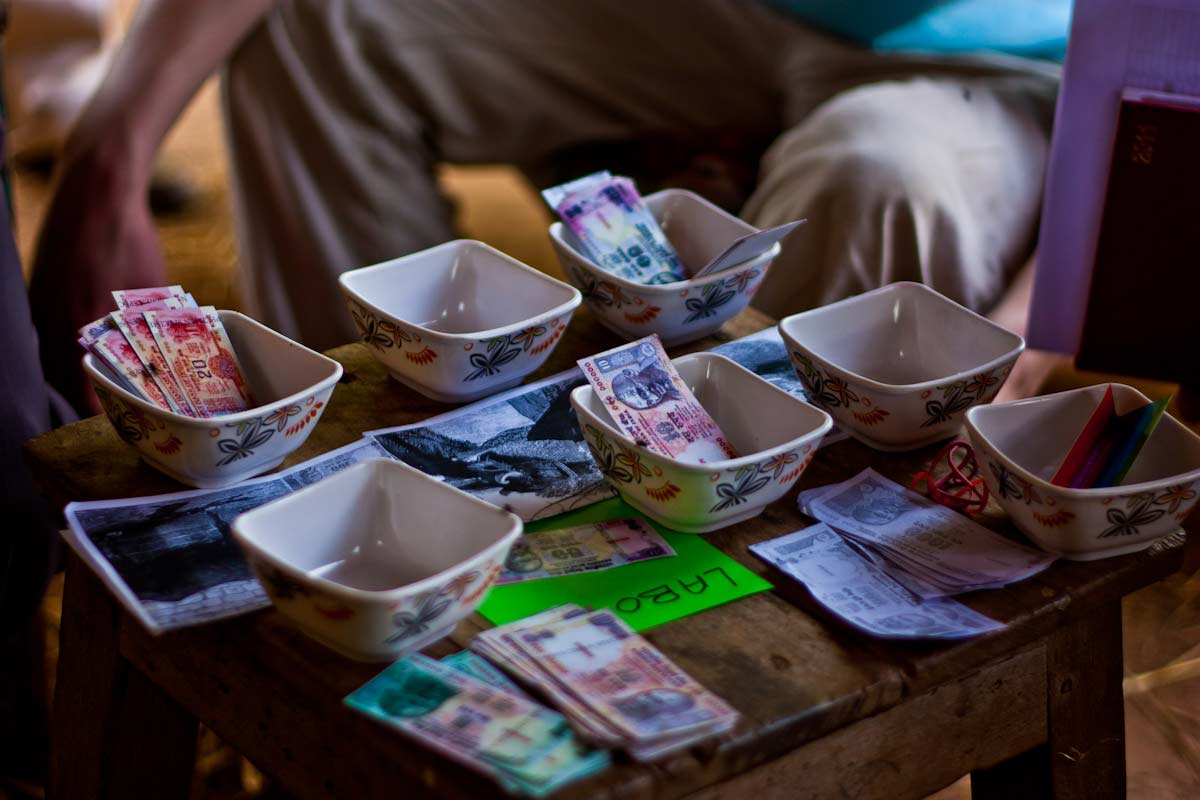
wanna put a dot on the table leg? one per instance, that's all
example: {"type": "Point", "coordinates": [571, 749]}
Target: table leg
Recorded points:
{"type": "Point", "coordinates": [1084, 757]}
{"type": "Point", "coordinates": [115, 733]}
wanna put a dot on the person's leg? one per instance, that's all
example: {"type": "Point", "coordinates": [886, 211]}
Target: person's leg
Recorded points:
{"type": "Point", "coordinates": [339, 111]}
{"type": "Point", "coordinates": [934, 179]}
{"type": "Point", "coordinates": [28, 538]}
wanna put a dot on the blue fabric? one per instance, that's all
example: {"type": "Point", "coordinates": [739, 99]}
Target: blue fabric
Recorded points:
{"type": "Point", "coordinates": [1034, 28]}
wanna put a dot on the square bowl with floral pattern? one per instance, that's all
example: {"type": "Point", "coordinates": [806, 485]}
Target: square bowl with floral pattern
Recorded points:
{"type": "Point", "coordinates": [378, 560]}
{"type": "Point", "coordinates": [459, 321]}
{"type": "Point", "coordinates": [899, 366]}
{"type": "Point", "coordinates": [1020, 445]}
{"type": "Point", "coordinates": [682, 311]}
{"type": "Point", "coordinates": [291, 383]}
{"type": "Point", "coordinates": [775, 433]}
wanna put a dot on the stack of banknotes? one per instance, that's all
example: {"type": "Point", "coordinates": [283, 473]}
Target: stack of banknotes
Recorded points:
{"type": "Point", "coordinates": [160, 346]}
{"type": "Point", "coordinates": [619, 233]}
{"type": "Point", "coordinates": [650, 402]}
{"type": "Point", "coordinates": [887, 560]}
{"type": "Point", "coordinates": [467, 710]}
{"type": "Point", "coordinates": [932, 550]}
{"type": "Point", "coordinates": [615, 229]}
{"type": "Point", "coordinates": [592, 547]}
{"type": "Point", "coordinates": [616, 688]}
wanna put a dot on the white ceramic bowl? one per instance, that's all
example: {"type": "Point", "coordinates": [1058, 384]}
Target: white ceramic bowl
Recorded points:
{"type": "Point", "coordinates": [292, 382]}
{"type": "Point", "coordinates": [379, 560]}
{"type": "Point", "coordinates": [1021, 444]}
{"type": "Point", "coordinates": [777, 432]}
{"type": "Point", "coordinates": [458, 321]}
{"type": "Point", "coordinates": [898, 367]}
{"type": "Point", "coordinates": [678, 312]}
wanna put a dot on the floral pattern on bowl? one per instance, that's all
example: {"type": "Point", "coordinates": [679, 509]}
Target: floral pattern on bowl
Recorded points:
{"type": "Point", "coordinates": [454, 338]}
{"type": "Point", "coordinates": [410, 623]}
{"type": "Point", "coordinates": [219, 451]}
{"type": "Point", "coordinates": [898, 367]}
{"type": "Point", "coordinates": [678, 312]}
{"type": "Point", "coordinates": [377, 560]}
{"type": "Point", "coordinates": [697, 498]}
{"type": "Point", "coordinates": [1083, 524]}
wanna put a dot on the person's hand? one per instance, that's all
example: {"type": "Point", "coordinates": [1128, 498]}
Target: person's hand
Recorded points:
{"type": "Point", "coordinates": [1029, 375]}
{"type": "Point", "coordinates": [98, 235]}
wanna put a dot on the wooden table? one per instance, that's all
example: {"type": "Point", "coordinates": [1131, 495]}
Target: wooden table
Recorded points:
{"type": "Point", "coordinates": [1034, 710]}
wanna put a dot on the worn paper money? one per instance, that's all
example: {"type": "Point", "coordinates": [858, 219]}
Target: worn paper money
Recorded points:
{"type": "Point", "coordinates": [499, 645]}
{"type": "Point", "coordinates": [526, 747]}
{"type": "Point", "coordinates": [132, 298]}
{"type": "Point", "coordinates": [615, 228]}
{"type": "Point", "coordinates": [649, 401]}
{"type": "Point", "coordinates": [106, 342]}
{"type": "Point", "coordinates": [481, 669]}
{"type": "Point", "coordinates": [863, 595]}
{"type": "Point", "coordinates": [937, 544]}
{"type": "Point", "coordinates": [583, 548]}
{"type": "Point", "coordinates": [132, 323]}
{"type": "Point", "coordinates": [620, 675]}
{"type": "Point", "coordinates": [201, 358]}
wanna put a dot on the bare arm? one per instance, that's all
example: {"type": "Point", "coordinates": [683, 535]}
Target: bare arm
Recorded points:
{"type": "Point", "coordinates": [98, 234]}
{"type": "Point", "coordinates": [1034, 367]}
{"type": "Point", "coordinates": [171, 48]}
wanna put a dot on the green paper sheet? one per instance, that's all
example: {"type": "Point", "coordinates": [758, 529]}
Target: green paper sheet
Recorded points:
{"type": "Point", "coordinates": [645, 594]}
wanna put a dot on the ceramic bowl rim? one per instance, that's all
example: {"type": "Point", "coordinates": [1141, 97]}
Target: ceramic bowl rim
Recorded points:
{"type": "Point", "coordinates": [902, 388]}
{"type": "Point", "coordinates": [710, 466]}
{"type": "Point", "coordinates": [89, 364]}
{"type": "Point", "coordinates": [407, 261]}
{"type": "Point", "coordinates": [1066, 491]}
{"type": "Point", "coordinates": [515, 528]}
{"type": "Point", "coordinates": [771, 254]}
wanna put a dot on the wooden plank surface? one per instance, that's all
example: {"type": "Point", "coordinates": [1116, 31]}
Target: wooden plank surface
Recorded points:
{"type": "Point", "coordinates": [983, 717]}
{"type": "Point", "coordinates": [794, 674]}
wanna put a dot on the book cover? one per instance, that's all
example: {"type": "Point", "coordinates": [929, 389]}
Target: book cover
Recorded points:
{"type": "Point", "coordinates": [1142, 308]}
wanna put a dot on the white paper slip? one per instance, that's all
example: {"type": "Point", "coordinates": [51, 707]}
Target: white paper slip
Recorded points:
{"type": "Point", "coordinates": [752, 245]}
{"type": "Point", "coordinates": [863, 595]}
{"type": "Point", "coordinates": [913, 528]}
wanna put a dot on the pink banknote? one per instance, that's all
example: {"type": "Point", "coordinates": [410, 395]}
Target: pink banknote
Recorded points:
{"type": "Point", "coordinates": [132, 298]}
{"type": "Point", "coordinates": [624, 678]}
{"type": "Point", "coordinates": [106, 342]}
{"type": "Point", "coordinates": [132, 323]}
{"type": "Point", "coordinates": [200, 356]}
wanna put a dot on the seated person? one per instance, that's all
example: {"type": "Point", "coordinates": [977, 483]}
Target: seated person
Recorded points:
{"type": "Point", "coordinates": [909, 165]}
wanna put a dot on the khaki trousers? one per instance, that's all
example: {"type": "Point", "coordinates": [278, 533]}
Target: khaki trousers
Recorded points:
{"type": "Point", "coordinates": [907, 167]}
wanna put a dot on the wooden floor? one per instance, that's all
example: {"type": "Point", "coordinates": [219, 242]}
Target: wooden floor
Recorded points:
{"type": "Point", "coordinates": [1162, 623]}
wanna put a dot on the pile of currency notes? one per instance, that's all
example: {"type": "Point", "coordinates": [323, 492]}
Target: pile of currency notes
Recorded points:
{"type": "Point", "coordinates": [615, 228]}
{"type": "Point", "coordinates": [616, 688]}
{"type": "Point", "coordinates": [650, 402]}
{"type": "Point", "coordinates": [160, 346]}
{"type": "Point", "coordinates": [887, 560]}
{"type": "Point", "coordinates": [618, 233]}
{"type": "Point", "coordinates": [465, 709]}
{"type": "Point", "coordinates": [584, 548]}
{"type": "Point", "coordinates": [932, 550]}
{"type": "Point", "coordinates": [867, 597]}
